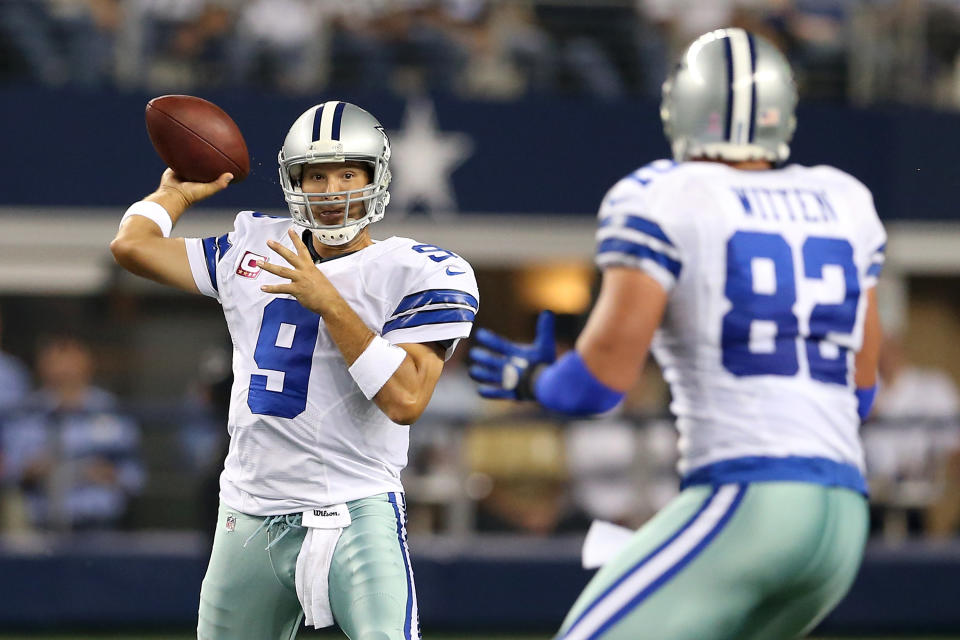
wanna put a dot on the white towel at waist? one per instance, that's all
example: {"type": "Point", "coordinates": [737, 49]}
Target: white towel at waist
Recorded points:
{"type": "Point", "coordinates": [324, 526]}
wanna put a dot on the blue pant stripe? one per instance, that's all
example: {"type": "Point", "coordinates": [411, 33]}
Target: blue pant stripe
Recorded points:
{"type": "Point", "coordinates": [675, 569]}
{"type": "Point", "coordinates": [645, 560]}
{"type": "Point", "coordinates": [406, 564]}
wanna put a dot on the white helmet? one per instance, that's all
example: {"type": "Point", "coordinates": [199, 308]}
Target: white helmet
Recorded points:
{"type": "Point", "coordinates": [335, 132]}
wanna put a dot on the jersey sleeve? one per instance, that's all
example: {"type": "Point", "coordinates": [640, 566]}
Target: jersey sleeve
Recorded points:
{"type": "Point", "coordinates": [872, 233]}
{"type": "Point", "coordinates": [206, 257]}
{"type": "Point", "coordinates": [632, 233]}
{"type": "Point", "coordinates": [439, 306]}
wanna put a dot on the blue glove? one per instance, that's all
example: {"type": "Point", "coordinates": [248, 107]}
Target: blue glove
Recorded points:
{"type": "Point", "coordinates": [505, 369]}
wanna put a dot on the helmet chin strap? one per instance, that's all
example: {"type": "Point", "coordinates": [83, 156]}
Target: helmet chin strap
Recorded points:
{"type": "Point", "coordinates": [339, 236]}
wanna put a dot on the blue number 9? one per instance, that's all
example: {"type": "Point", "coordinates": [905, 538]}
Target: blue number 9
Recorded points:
{"type": "Point", "coordinates": [287, 340]}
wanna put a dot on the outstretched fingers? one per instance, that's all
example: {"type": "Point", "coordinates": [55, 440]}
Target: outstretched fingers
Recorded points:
{"type": "Point", "coordinates": [291, 257]}
{"type": "Point", "coordinates": [495, 342]}
{"type": "Point", "coordinates": [277, 270]}
{"type": "Point", "coordinates": [298, 244]}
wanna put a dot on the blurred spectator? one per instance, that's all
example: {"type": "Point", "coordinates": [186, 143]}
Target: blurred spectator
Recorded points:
{"type": "Point", "coordinates": [593, 47]}
{"type": "Point", "coordinates": [280, 44]}
{"type": "Point", "coordinates": [909, 391]}
{"type": "Point", "coordinates": [72, 455]}
{"type": "Point", "coordinates": [619, 472]}
{"type": "Point", "coordinates": [14, 380]}
{"type": "Point", "coordinates": [519, 476]}
{"type": "Point", "coordinates": [908, 445]}
{"type": "Point", "coordinates": [63, 42]}
{"type": "Point", "coordinates": [408, 46]}
{"type": "Point", "coordinates": [175, 43]}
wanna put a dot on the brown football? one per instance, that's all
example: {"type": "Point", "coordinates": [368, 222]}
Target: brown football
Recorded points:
{"type": "Point", "coordinates": [196, 138]}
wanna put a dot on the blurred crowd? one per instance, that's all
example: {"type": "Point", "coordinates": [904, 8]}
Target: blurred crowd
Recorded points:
{"type": "Point", "coordinates": [75, 459]}
{"type": "Point", "coordinates": [69, 458]}
{"type": "Point", "coordinates": [857, 50]}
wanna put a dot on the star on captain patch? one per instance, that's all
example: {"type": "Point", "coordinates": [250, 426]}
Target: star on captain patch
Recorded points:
{"type": "Point", "coordinates": [424, 159]}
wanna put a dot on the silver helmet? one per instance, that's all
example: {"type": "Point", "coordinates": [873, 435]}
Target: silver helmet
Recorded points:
{"type": "Point", "coordinates": [335, 132]}
{"type": "Point", "coordinates": [731, 97]}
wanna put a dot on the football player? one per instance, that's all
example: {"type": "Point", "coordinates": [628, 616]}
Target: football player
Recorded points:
{"type": "Point", "coordinates": [753, 283]}
{"type": "Point", "coordinates": [338, 343]}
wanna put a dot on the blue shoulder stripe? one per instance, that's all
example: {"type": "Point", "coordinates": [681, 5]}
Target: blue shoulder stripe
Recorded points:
{"type": "Point", "coordinates": [643, 225]}
{"type": "Point", "coordinates": [436, 316]}
{"type": "Point", "coordinates": [618, 245]}
{"type": "Point", "coordinates": [436, 296]}
{"type": "Point", "coordinates": [223, 245]}
{"type": "Point", "coordinates": [210, 255]}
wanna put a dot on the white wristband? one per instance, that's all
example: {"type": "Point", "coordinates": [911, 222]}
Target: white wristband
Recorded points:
{"type": "Point", "coordinates": [153, 211]}
{"type": "Point", "coordinates": [375, 365]}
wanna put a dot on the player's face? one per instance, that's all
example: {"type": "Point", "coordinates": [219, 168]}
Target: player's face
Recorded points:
{"type": "Point", "coordinates": [330, 177]}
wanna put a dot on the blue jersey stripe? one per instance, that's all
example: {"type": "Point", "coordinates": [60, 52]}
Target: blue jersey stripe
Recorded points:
{"type": "Point", "coordinates": [813, 470]}
{"type": "Point", "coordinates": [437, 316]}
{"type": "Point", "coordinates": [337, 118]}
{"type": "Point", "coordinates": [223, 245]}
{"type": "Point", "coordinates": [436, 296]}
{"type": "Point", "coordinates": [875, 269]}
{"type": "Point", "coordinates": [407, 622]}
{"type": "Point", "coordinates": [317, 117]}
{"type": "Point", "coordinates": [753, 85]}
{"type": "Point", "coordinates": [210, 255]}
{"type": "Point", "coordinates": [618, 245]}
{"type": "Point", "coordinates": [641, 224]}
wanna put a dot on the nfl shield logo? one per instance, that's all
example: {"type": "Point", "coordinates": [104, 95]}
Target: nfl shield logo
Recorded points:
{"type": "Point", "coordinates": [231, 523]}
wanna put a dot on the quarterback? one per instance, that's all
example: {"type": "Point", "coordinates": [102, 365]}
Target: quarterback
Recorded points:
{"type": "Point", "coordinates": [753, 284]}
{"type": "Point", "coordinates": [338, 343]}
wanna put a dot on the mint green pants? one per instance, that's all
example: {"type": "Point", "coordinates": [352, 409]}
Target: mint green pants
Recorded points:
{"type": "Point", "coordinates": [761, 561]}
{"type": "Point", "coordinates": [249, 593]}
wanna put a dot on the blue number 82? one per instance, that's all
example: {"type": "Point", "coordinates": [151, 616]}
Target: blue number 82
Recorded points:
{"type": "Point", "coordinates": [769, 299]}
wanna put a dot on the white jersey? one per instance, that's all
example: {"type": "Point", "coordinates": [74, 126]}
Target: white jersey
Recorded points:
{"type": "Point", "coordinates": [767, 274]}
{"type": "Point", "coordinates": [302, 434]}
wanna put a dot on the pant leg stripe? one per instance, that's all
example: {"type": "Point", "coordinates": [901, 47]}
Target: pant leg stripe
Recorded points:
{"type": "Point", "coordinates": [706, 503]}
{"type": "Point", "coordinates": [659, 567]}
{"type": "Point", "coordinates": [395, 500]}
{"type": "Point", "coordinates": [415, 613]}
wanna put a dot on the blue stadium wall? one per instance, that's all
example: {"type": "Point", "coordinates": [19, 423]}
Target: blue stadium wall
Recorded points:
{"type": "Point", "coordinates": [525, 587]}
{"type": "Point", "coordinates": [537, 155]}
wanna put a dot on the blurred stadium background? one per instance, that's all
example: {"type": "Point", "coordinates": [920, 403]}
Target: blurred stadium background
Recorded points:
{"type": "Point", "coordinates": [509, 119]}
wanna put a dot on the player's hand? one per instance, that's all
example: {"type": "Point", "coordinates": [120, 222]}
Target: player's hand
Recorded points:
{"type": "Point", "coordinates": [191, 192]}
{"type": "Point", "coordinates": [506, 369]}
{"type": "Point", "coordinates": [307, 283]}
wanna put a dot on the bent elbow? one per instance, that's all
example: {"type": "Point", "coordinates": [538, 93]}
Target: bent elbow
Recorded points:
{"type": "Point", "coordinates": [405, 411]}
{"type": "Point", "coordinates": [123, 251]}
